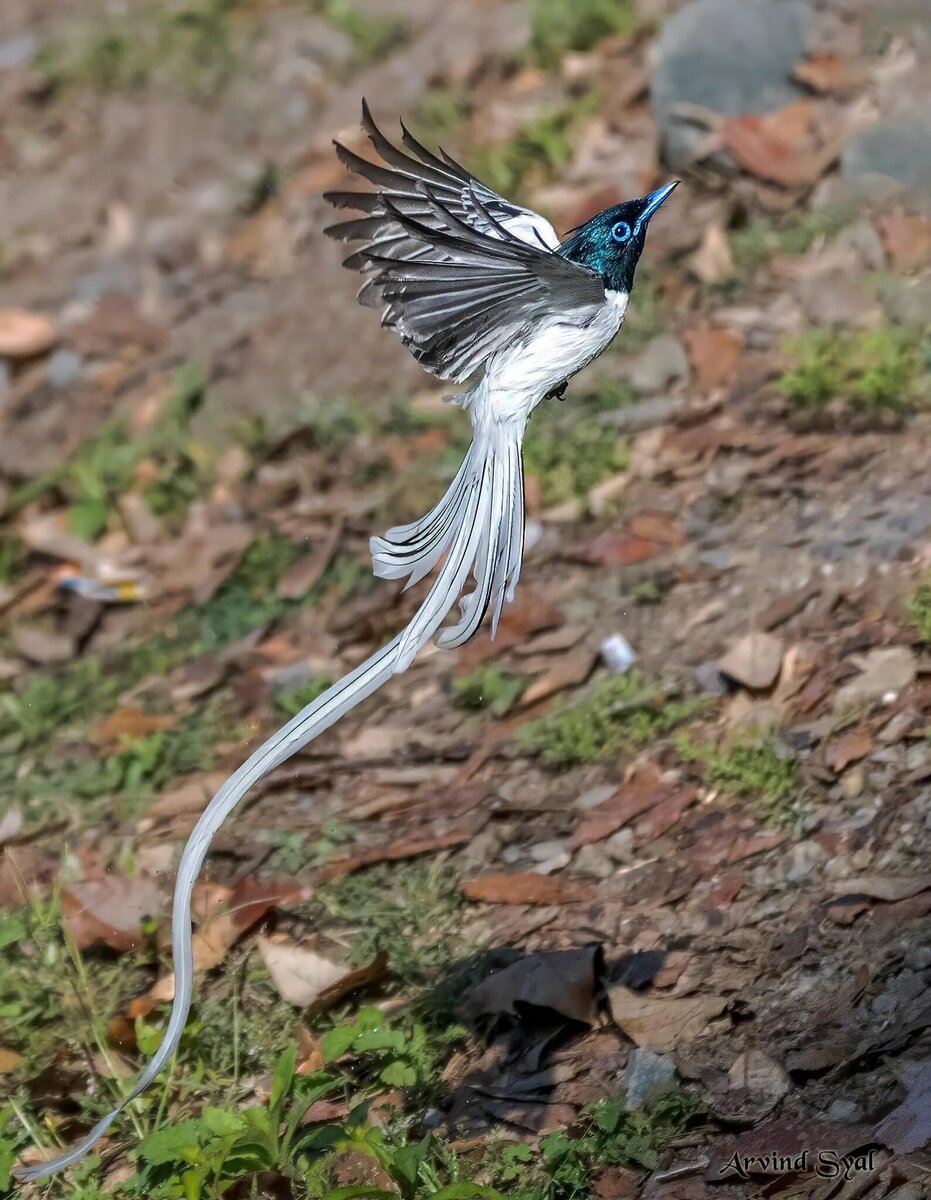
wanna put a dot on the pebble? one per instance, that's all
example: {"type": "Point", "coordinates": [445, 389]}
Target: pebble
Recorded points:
{"type": "Point", "coordinates": [546, 850]}
{"type": "Point", "coordinates": [64, 368]}
{"type": "Point", "coordinates": [620, 845]}
{"type": "Point", "coordinates": [594, 862]}
{"type": "Point", "coordinates": [843, 1110]}
{"type": "Point", "coordinates": [801, 860]}
{"type": "Point", "coordinates": [595, 795]}
{"type": "Point", "coordinates": [660, 364]}
{"type": "Point", "coordinates": [646, 1076]}
{"type": "Point", "coordinates": [892, 155]}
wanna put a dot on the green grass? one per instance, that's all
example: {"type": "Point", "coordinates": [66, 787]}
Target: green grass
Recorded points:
{"type": "Point", "coordinates": [557, 27]}
{"type": "Point", "coordinates": [190, 45]}
{"type": "Point", "coordinates": [289, 703]}
{"type": "Point", "coordinates": [410, 912]}
{"type": "Point", "coordinates": [569, 453]}
{"type": "Point", "coordinates": [919, 611]}
{"type": "Point", "coordinates": [876, 372]}
{"type": "Point", "coordinates": [758, 771]}
{"type": "Point", "coordinates": [489, 688]}
{"type": "Point", "coordinates": [620, 712]}
{"type": "Point", "coordinates": [793, 234]}
{"type": "Point", "coordinates": [537, 152]}
{"type": "Point", "coordinates": [372, 36]}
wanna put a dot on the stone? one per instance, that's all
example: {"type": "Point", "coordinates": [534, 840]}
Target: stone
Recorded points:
{"type": "Point", "coordinates": [593, 861]}
{"type": "Point", "coordinates": [64, 368]}
{"type": "Point", "coordinates": [594, 796]}
{"type": "Point", "coordinates": [646, 1077]}
{"type": "Point", "coordinates": [620, 845]}
{"type": "Point", "coordinates": [891, 156]}
{"type": "Point", "coordinates": [662, 362]}
{"type": "Point", "coordinates": [754, 661]}
{"type": "Point", "coordinates": [801, 860]}
{"type": "Point", "coordinates": [734, 57]}
{"type": "Point", "coordinates": [885, 671]}
{"type": "Point", "coordinates": [543, 851]}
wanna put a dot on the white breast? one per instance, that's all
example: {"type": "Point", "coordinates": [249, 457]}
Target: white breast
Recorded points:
{"type": "Point", "coordinates": [518, 378]}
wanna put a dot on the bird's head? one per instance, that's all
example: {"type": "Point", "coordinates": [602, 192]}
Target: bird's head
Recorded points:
{"type": "Point", "coordinates": [611, 242]}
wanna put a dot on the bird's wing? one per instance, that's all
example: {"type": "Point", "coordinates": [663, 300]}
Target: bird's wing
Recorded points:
{"type": "Point", "coordinates": [457, 270]}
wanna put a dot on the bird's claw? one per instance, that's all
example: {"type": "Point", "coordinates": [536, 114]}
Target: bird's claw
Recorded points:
{"type": "Point", "coordinates": [558, 393]}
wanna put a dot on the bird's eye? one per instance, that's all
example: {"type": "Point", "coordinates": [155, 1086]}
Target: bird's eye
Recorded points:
{"type": "Point", "coordinates": [620, 233]}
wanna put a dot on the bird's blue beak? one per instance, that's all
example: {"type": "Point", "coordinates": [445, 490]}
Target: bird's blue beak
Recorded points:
{"type": "Point", "coordinates": [655, 199]}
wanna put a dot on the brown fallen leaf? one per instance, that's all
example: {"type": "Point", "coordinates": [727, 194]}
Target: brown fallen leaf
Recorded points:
{"type": "Point", "coordinates": [907, 239]}
{"type": "Point", "coordinates": [713, 261]}
{"type": "Point", "coordinates": [527, 888]}
{"type": "Point", "coordinates": [569, 670]}
{"type": "Point", "coordinates": [662, 1023]}
{"type": "Point", "coordinates": [882, 887]}
{"type": "Point", "coordinates": [9, 1060]}
{"type": "Point", "coordinates": [24, 334]}
{"type": "Point", "coordinates": [616, 1183]}
{"type": "Point", "coordinates": [645, 535]}
{"type": "Point", "coordinates": [529, 614]}
{"type": "Point", "coordinates": [639, 795]}
{"type": "Point", "coordinates": [828, 73]}
{"type": "Point", "coordinates": [754, 661]}
{"type": "Point", "coordinates": [779, 147]}
{"type": "Point", "coordinates": [400, 850]}
{"type": "Point", "coordinates": [561, 980]}
{"type": "Point", "coordinates": [352, 981]}
{"type": "Point", "coordinates": [850, 747]}
{"type": "Point", "coordinates": [667, 813]}
{"type": "Point", "coordinates": [714, 355]}
{"type": "Point", "coordinates": [131, 723]}
{"type": "Point", "coordinates": [300, 973]}
{"type": "Point", "coordinates": [110, 911]}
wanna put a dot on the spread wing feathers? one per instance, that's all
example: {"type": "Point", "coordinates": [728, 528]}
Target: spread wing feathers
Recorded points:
{"type": "Point", "coordinates": [457, 270]}
{"type": "Point", "coordinates": [479, 527]}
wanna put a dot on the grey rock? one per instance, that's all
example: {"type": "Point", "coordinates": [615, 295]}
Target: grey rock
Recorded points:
{"type": "Point", "coordinates": [646, 1076]}
{"type": "Point", "coordinates": [595, 795]}
{"type": "Point", "coordinates": [546, 850]}
{"type": "Point", "coordinates": [919, 959]}
{"type": "Point", "coordinates": [709, 680]}
{"type": "Point", "coordinates": [662, 362]}
{"type": "Point", "coordinates": [890, 156]}
{"type": "Point", "coordinates": [645, 414]}
{"type": "Point", "coordinates": [620, 845]}
{"type": "Point", "coordinates": [17, 50]}
{"type": "Point", "coordinates": [843, 1110]}
{"type": "Point", "coordinates": [730, 56]}
{"type": "Point", "coordinates": [64, 368]}
{"type": "Point", "coordinates": [802, 859]}
{"type": "Point", "coordinates": [594, 862]}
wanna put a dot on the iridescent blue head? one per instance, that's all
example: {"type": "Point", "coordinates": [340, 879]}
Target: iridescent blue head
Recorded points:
{"type": "Point", "coordinates": [611, 243]}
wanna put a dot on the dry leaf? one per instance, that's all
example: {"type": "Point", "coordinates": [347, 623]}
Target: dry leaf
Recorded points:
{"type": "Point", "coordinates": [43, 646]}
{"type": "Point", "coordinates": [754, 661]}
{"type": "Point", "coordinates": [642, 793]}
{"type": "Point", "coordinates": [297, 581]}
{"type": "Point", "coordinates": [569, 670]}
{"type": "Point", "coordinates": [713, 262]}
{"type": "Point", "coordinates": [299, 973]}
{"type": "Point", "coordinates": [850, 747]}
{"type": "Point", "coordinates": [908, 1127]}
{"type": "Point", "coordinates": [109, 910]}
{"type": "Point", "coordinates": [714, 355]}
{"type": "Point", "coordinates": [561, 980]}
{"type": "Point", "coordinates": [826, 73]}
{"type": "Point", "coordinates": [779, 147]}
{"type": "Point", "coordinates": [400, 850]}
{"type": "Point", "coordinates": [131, 723]}
{"type": "Point", "coordinates": [644, 536]}
{"type": "Point", "coordinates": [529, 614]}
{"type": "Point", "coordinates": [907, 239]}
{"type": "Point", "coordinates": [527, 888]}
{"type": "Point", "coordinates": [24, 334]}
{"type": "Point", "coordinates": [9, 1060]}
{"type": "Point", "coordinates": [661, 1024]}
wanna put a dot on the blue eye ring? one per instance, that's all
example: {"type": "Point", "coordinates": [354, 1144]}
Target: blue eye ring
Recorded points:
{"type": "Point", "coordinates": [620, 233]}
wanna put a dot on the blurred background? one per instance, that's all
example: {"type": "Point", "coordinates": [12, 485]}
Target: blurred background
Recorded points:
{"type": "Point", "coordinates": [199, 429]}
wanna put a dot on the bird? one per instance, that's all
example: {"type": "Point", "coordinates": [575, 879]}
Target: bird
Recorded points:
{"type": "Point", "coordinates": [483, 294]}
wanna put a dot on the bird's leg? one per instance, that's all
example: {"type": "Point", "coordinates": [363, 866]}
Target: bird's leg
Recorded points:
{"type": "Point", "coordinates": [558, 393]}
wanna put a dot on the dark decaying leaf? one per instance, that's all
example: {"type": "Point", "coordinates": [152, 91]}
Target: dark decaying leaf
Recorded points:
{"type": "Point", "coordinates": [561, 980]}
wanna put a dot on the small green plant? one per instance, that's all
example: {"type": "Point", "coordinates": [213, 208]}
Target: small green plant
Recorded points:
{"type": "Point", "coordinates": [566, 1164]}
{"type": "Point", "coordinates": [535, 154]}
{"type": "Point", "coordinates": [620, 711]}
{"type": "Point", "coordinates": [489, 687]}
{"type": "Point", "coordinates": [290, 703]}
{"type": "Point", "coordinates": [758, 770]}
{"type": "Point", "coordinates": [410, 912]}
{"type": "Point", "coordinates": [569, 457]}
{"type": "Point", "coordinates": [792, 234]}
{"type": "Point", "coordinates": [876, 371]}
{"type": "Point", "coordinates": [919, 609]}
{"type": "Point", "coordinates": [372, 36]}
{"type": "Point", "coordinates": [557, 27]}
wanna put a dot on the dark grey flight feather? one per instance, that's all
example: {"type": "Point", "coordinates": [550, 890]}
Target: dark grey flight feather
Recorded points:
{"type": "Point", "coordinates": [449, 275]}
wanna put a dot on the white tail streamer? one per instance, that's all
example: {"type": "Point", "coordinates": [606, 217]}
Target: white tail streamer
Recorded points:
{"type": "Point", "coordinates": [478, 525]}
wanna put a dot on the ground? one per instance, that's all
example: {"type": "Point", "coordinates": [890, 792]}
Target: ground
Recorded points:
{"type": "Point", "coordinates": [535, 919]}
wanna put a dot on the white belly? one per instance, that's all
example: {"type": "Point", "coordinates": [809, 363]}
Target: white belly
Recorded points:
{"type": "Point", "coordinates": [518, 378]}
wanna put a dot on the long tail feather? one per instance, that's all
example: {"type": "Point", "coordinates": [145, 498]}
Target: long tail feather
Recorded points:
{"type": "Point", "coordinates": [478, 525]}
